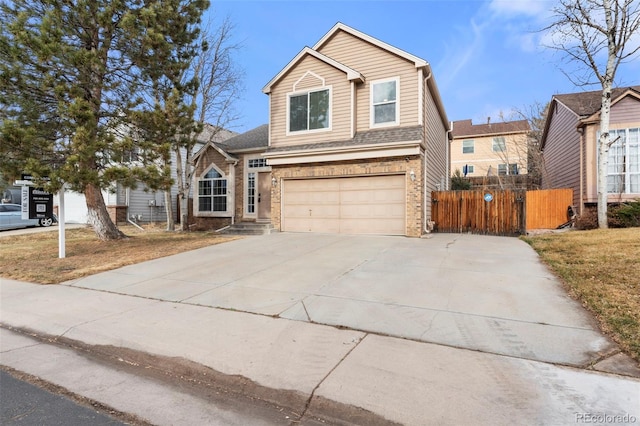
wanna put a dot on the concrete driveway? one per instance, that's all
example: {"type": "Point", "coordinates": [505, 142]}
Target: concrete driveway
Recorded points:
{"type": "Point", "coordinates": [489, 294]}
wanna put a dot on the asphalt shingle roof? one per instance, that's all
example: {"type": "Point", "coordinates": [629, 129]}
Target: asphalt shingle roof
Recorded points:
{"type": "Point", "coordinates": [254, 138]}
{"type": "Point", "coordinates": [588, 103]}
{"type": "Point", "coordinates": [396, 134]}
{"type": "Point", "coordinates": [463, 128]}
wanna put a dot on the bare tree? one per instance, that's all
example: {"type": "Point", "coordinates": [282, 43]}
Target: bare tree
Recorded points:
{"type": "Point", "coordinates": [536, 115]}
{"type": "Point", "coordinates": [598, 35]}
{"type": "Point", "coordinates": [220, 83]}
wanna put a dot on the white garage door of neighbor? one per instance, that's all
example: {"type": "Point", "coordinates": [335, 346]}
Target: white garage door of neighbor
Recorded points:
{"type": "Point", "coordinates": [355, 205]}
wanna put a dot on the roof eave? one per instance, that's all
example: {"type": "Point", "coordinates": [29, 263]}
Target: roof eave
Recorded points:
{"type": "Point", "coordinates": [352, 75]}
{"type": "Point", "coordinates": [418, 62]}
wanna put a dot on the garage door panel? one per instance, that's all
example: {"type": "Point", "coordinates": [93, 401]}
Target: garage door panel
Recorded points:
{"type": "Point", "coordinates": [358, 205]}
{"type": "Point", "coordinates": [371, 226]}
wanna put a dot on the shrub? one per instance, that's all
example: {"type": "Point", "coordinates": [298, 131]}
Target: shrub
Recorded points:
{"type": "Point", "coordinates": [459, 182]}
{"type": "Point", "coordinates": [588, 219]}
{"type": "Point", "coordinates": [625, 215]}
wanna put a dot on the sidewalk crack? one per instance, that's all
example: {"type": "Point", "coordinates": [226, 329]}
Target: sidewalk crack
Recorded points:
{"type": "Point", "coordinates": [313, 392]}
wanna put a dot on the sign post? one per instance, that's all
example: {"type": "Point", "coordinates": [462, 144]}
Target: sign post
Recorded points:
{"type": "Point", "coordinates": [61, 236]}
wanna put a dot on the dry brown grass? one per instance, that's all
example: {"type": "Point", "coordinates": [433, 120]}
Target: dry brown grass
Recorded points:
{"type": "Point", "coordinates": [34, 257]}
{"type": "Point", "coordinates": [601, 269]}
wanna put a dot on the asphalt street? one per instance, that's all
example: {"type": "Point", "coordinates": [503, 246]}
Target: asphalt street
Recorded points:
{"type": "Point", "coordinates": [26, 404]}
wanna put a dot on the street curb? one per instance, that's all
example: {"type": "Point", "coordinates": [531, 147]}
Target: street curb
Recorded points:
{"type": "Point", "coordinates": [216, 387]}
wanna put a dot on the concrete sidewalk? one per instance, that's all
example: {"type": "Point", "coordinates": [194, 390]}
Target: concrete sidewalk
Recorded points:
{"type": "Point", "coordinates": [465, 331]}
{"type": "Point", "coordinates": [391, 378]}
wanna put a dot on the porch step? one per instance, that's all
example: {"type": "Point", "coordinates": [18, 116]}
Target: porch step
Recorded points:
{"type": "Point", "coordinates": [249, 228]}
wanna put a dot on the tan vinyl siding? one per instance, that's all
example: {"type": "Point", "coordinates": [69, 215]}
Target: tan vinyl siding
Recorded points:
{"type": "Point", "coordinates": [309, 81]}
{"type": "Point", "coordinates": [627, 110]}
{"type": "Point", "coordinates": [484, 157]}
{"type": "Point", "coordinates": [562, 153]}
{"type": "Point", "coordinates": [340, 121]}
{"type": "Point", "coordinates": [437, 145]}
{"type": "Point", "coordinates": [375, 64]}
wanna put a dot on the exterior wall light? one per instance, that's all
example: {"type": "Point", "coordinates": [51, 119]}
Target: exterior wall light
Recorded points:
{"type": "Point", "coordinates": [274, 181]}
{"type": "Point", "coordinates": [412, 175]}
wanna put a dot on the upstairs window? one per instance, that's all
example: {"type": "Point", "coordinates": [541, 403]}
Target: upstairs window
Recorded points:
{"type": "Point", "coordinates": [384, 102]}
{"type": "Point", "coordinates": [499, 144]}
{"type": "Point", "coordinates": [309, 111]}
{"type": "Point", "coordinates": [212, 192]}
{"type": "Point", "coordinates": [468, 146]}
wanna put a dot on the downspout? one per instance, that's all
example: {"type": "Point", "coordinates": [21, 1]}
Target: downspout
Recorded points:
{"type": "Point", "coordinates": [232, 174]}
{"type": "Point", "coordinates": [581, 149]}
{"type": "Point", "coordinates": [448, 144]}
{"type": "Point", "coordinates": [425, 224]}
{"type": "Point", "coordinates": [127, 199]}
{"type": "Point", "coordinates": [233, 213]}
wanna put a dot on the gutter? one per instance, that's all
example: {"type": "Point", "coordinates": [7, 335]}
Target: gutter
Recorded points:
{"type": "Point", "coordinates": [349, 148]}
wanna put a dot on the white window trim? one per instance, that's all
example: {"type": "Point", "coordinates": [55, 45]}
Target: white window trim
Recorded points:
{"type": "Point", "coordinates": [627, 173]}
{"type": "Point", "coordinates": [372, 123]}
{"type": "Point", "coordinates": [307, 91]}
{"type": "Point", "coordinates": [245, 190]}
{"type": "Point", "coordinates": [229, 195]}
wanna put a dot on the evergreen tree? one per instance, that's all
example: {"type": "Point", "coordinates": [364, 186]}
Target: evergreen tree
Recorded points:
{"type": "Point", "coordinates": [73, 75]}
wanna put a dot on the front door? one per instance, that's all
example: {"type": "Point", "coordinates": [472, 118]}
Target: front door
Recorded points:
{"type": "Point", "coordinates": [264, 196]}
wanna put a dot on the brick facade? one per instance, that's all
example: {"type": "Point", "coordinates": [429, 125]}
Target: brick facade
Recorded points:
{"type": "Point", "coordinates": [118, 214]}
{"type": "Point", "coordinates": [400, 165]}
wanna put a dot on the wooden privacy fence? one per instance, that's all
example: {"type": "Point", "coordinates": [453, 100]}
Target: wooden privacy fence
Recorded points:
{"type": "Point", "coordinates": [499, 212]}
{"type": "Point", "coordinates": [547, 208]}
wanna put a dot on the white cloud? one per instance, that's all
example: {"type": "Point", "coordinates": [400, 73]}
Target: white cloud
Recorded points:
{"type": "Point", "coordinates": [467, 46]}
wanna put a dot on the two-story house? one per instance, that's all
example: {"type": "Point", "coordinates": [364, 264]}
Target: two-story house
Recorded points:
{"type": "Point", "coordinates": [499, 148]}
{"type": "Point", "coordinates": [358, 138]}
{"type": "Point", "coordinates": [569, 145]}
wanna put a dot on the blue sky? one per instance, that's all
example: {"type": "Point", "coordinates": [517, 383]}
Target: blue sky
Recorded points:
{"type": "Point", "coordinates": [487, 56]}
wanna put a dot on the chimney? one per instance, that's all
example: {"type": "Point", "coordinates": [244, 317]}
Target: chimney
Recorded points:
{"type": "Point", "coordinates": [489, 121]}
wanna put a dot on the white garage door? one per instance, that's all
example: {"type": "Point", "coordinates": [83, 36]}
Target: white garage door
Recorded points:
{"type": "Point", "coordinates": [356, 205]}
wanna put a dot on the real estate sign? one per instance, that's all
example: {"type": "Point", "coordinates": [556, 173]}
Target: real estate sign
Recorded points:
{"type": "Point", "coordinates": [36, 203]}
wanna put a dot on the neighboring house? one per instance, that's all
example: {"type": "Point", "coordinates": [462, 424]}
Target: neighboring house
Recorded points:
{"type": "Point", "coordinates": [490, 149]}
{"type": "Point", "coordinates": [141, 205]}
{"type": "Point", "coordinates": [231, 181]}
{"type": "Point", "coordinates": [358, 138]}
{"type": "Point", "coordinates": [569, 145]}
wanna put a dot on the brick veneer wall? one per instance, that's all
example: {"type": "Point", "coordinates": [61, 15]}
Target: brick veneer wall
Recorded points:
{"type": "Point", "coordinates": [399, 165]}
{"type": "Point", "coordinates": [118, 214]}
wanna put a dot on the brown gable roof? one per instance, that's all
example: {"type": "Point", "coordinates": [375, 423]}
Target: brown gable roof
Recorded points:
{"type": "Point", "coordinates": [588, 103]}
{"type": "Point", "coordinates": [465, 128]}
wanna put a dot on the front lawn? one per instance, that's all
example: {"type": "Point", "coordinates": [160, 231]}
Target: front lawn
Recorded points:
{"type": "Point", "coordinates": [34, 257]}
{"type": "Point", "coordinates": [601, 269]}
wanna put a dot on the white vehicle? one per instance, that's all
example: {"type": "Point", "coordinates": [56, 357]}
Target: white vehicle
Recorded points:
{"type": "Point", "coordinates": [11, 218]}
